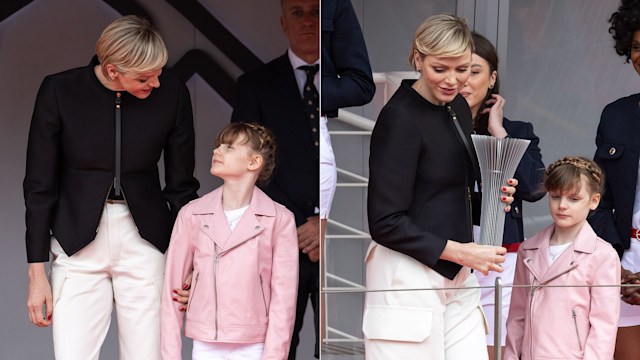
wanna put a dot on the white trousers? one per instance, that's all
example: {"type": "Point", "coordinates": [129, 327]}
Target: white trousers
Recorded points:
{"type": "Point", "coordinates": [117, 268]}
{"type": "Point", "coordinates": [427, 324]}
{"type": "Point", "coordinates": [226, 351]}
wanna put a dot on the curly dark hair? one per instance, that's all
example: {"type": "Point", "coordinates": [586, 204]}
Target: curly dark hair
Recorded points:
{"type": "Point", "coordinates": [624, 23]}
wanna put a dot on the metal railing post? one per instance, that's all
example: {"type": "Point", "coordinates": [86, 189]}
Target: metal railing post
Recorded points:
{"type": "Point", "coordinates": [497, 318]}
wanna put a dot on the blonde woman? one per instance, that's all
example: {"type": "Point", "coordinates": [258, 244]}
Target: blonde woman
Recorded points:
{"type": "Point", "coordinates": [93, 195]}
{"type": "Point", "coordinates": [419, 207]}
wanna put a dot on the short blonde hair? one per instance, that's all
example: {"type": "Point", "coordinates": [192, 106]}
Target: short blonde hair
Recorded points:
{"type": "Point", "coordinates": [442, 35]}
{"type": "Point", "coordinates": [131, 44]}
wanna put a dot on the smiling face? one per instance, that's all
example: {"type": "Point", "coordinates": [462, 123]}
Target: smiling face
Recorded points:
{"type": "Point", "coordinates": [138, 84]}
{"type": "Point", "coordinates": [634, 57]}
{"type": "Point", "coordinates": [441, 77]}
{"type": "Point", "coordinates": [480, 81]}
{"type": "Point", "coordinates": [300, 22]}
{"type": "Point", "coordinates": [569, 208]}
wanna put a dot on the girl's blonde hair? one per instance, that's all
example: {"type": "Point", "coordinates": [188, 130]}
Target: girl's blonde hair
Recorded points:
{"type": "Point", "coordinates": [261, 141]}
{"type": "Point", "coordinates": [442, 35]}
{"type": "Point", "coordinates": [131, 44]}
{"type": "Point", "coordinates": [565, 175]}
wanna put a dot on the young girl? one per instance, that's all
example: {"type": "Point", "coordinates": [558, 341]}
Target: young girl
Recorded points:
{"type": "Point", "coordinates": [243, 249]}
{"type": "Point", "coordinates": [578, 321]}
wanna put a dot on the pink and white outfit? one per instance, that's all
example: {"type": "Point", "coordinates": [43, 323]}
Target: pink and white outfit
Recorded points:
{"type": "Point", "coordinates": [244, 281]}
{"type": "Point", "coordinates": [564, 322]}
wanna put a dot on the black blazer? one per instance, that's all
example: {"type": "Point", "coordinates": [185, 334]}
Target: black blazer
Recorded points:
{"type": "Point", "coordinates": [70, 159]}
{"type": "Point", "coordinates": [617, 153]}
{"type": "Point", "coordinates": [270, 96]}
{"type": "Point", "coordinates": [420, 178]}
{"type": "Point", "coordinates": [346, 73]}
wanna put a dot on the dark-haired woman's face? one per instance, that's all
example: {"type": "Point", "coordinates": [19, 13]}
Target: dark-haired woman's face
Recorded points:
{"type": "Point", "coordinates": [476, 88]}
{"type": "Point", "coordinates": [635, 51]}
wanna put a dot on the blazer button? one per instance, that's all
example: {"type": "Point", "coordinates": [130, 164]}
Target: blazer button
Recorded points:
{"type": "Point", "coordinates": [612, 151]}
{"type": "Point", "coordinates": [257, 227]}
{"type": "Point", "coordinates": [205, 226]}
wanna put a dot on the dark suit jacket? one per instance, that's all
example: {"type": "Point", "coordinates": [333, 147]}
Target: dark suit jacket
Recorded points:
{"type": "Point", "coordinates": [70, 159]}
{"type": "Point", "coordinates": [346, 73]}
{"type": "Point", "coordinates": [420, 178]}
{"type": "Point", "coordinates": [618, 152]}
{"type": "Point", "coordinates": [270, 96]}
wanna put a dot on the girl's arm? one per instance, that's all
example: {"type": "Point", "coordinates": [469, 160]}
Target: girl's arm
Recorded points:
{"type": "Point", "coordinates": [517, 311]}
{"type": "Point", "coordinates": [178, 265]}
{"type": "Point", "coordinates": [284, 288]}
{"type": "Point", "coordinates": [605, 307]}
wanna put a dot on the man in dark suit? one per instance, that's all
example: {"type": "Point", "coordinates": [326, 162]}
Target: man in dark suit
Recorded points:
{"type": "Point", "coordinates": [273, 96]}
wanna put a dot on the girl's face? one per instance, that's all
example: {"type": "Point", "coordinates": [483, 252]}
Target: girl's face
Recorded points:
{"type": "Point", "coordinates": [441, 77]}
{"type": "Point", "coordinates": [635, 51]}
{"type": "Point", "coordinates": [481, 79]}
{"type": "Point", "coordinates": [569, 209]}
{"type": "Point", "coordinates": [232, 160]}
{"type": "Point", "coordinates": [138, 84]}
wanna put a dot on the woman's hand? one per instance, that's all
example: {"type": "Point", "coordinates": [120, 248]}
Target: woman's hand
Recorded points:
{"type": "Point", "coordinates": [495, 107]}
{"type": "Point", "coordinates": [39, 295]}
{"type": "Point", "coordinates": [182, 295]}
{"type": "Point", "coordinates": [483, 258]}
{"type": "Point", "coordinates": [630, 294]}
{"type": "Point", "coordinates": [507, 193]}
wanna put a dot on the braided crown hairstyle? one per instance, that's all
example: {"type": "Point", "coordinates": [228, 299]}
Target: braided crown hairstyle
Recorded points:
{"type": "Point", "coordinates": [565, 174]}
{"type": "Point", "coordinates": [260, 140]}
{"type": "Point", "coordinates": [624, 23]}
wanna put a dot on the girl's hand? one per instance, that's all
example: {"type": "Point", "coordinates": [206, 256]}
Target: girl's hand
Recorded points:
{"type": "Point", "coordinates": [494, 108]}
{"type": "Point", "coordinates": [507, 193]}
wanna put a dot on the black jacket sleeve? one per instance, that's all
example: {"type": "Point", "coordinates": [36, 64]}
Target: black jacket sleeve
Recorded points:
{"type": "Point", "coordinates": [346, 72]}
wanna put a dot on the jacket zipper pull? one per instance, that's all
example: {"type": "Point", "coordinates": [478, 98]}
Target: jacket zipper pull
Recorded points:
{"type": "Point", "coordinates": [118, 157]}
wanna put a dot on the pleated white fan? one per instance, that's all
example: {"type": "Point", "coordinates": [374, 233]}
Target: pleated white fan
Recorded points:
{"type": "Point", "coordinates": [498, 160]}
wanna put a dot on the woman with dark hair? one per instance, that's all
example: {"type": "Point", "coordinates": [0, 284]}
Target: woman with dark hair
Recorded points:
{"type": "Point", "coordinates": [482, 93]}
{"type": "Point", "coordinates": [617, 219]}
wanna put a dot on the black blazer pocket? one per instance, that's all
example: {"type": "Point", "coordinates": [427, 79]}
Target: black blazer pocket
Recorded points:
{"type": "Point", "coordinates": [610, 151]}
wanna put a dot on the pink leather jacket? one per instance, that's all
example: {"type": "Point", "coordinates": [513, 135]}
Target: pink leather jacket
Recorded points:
{"type": "Point", "coordinates": [245, 282]}
{"type": "Point", "coordinates": [564, 322]}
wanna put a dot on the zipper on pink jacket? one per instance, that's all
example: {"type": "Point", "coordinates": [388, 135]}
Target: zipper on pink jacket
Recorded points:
{"type": "Point", "coordinates": [215, 289]}
{"type": "Point", "coordinates": [575, 322]}
{"type": "Point", "coordinates": [215, 281]}
{"type": "Point", "coordinates": [533, 290]}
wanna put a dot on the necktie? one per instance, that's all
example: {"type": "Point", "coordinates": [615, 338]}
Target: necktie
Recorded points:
{"type": "Point", "coordinates": [310, 99]}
